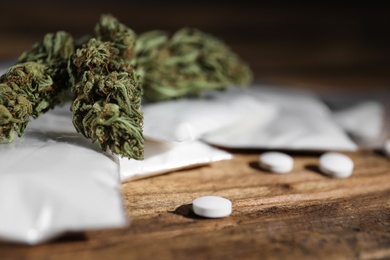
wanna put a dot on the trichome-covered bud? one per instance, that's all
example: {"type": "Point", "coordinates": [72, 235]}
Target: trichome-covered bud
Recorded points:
{"type": "Point", "coordinates": [109, 29]}
{"type": "Point", "coordinates": [26, 90]}
{"type": "Point", "coordinates": [107, 108]}
{"type": "Point", "coordinates": [31, 80]}
{"type": "Point", "coordinates": [55, 47]}
{"type": "Point", "coordinates": [186, 64]}
{"type": "Point", "coordinates": [15, 111]}
{"type": "Point", "coordinates": [54, 51]}
{"type": "Point", "coordinates": [95, 56]}
{"type": "Point", "coordinates": [37, 83]}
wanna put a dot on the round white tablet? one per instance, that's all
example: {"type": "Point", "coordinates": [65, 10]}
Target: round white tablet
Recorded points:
{"type": "Point", "coordinates": [276, 162]}
{"type": "Point", "coordinates": [386, 148]}
{"type": "Point", "coordinates": [336, 165]}
{"type": "Point", "coordinates": [212, 207]}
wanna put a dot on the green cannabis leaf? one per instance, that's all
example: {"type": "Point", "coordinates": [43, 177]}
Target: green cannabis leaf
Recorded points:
{"type": "Point", "coordinates": [186, 64]}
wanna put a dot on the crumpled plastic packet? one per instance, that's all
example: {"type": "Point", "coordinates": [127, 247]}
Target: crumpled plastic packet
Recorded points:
{"type": "Point", "coordinates": [53, 181]}
{"type": "Point", "coordinates": [163, 157]}
{"type": "Point", "coordinates": [299, 121]}
{"type": "Point", "coordinates": [365, 122]}
{"type": "Point", "coordinates": [188, 119]}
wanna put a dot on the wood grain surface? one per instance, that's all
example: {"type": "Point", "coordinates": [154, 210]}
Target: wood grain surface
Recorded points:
{"type": "Point", "coordinates": [301, 215]}
{"type": "Point", "coordinates": [334, 50]}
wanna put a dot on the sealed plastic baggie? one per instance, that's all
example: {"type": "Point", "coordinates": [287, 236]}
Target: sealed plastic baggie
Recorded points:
{"type": "Point", "coordinates": [163, 157]}
{"type": "Point", "coordinates": [54, 181]}
{"type": "Point", "coordinates": [299, 121]}
{"type": "Point", "coordinates": [188, 119]}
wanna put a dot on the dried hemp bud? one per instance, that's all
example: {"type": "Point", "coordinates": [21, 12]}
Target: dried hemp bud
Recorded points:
{"type": "Point", "coordinates": [54, 51]}
{"type": "Point", "coordinates": [35, 84]}
{"type": "Point", "coordinates": [107, 108]}
{"type": "Point", "coordinates": [186, 64]}
{"type": "Point", "coordinates": [109, 29]}
{"type": "Point", "coordinates": [25, 91]}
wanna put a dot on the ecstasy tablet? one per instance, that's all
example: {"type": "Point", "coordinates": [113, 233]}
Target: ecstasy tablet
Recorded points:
{"type": "Point", "coordinates": [336, 165]}
{"type": "Point", "coordinates": [212, 207]}
{"type": "Point", "coordinates": [276, 162]}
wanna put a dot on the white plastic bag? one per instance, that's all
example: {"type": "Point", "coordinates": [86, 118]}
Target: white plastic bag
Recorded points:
{"type": "Point", "coordinates": [53, 180]}
{"type": "Point", "coordinates": [365, 122]}
{"type": "Point", "coordinates": [163, 157]}
{"type": "Point", "coordinates": [298, 122]}
{"type": "Point", "coordinates": [188, 119]}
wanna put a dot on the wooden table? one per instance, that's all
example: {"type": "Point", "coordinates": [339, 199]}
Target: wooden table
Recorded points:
{"type": "Point", "coordinates": [301, 215]}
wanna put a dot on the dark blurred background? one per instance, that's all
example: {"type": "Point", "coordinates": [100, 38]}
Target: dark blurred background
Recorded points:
{"type": "Point", "coordinates": [313, 44]}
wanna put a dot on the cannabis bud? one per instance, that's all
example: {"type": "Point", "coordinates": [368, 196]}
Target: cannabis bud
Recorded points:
{"type": "Point", "coordinates": [15, 111]}
{"type": "Point", "coordinates": [54, 51]}
{"type": "Point", "coordinates": [25, 91]}
{"type": "Point", "coordinates": [109, 29]}
{"type": "Point", "coordinates": [35, 84]}
{"type": "Point", "coordinates": [186, 64]}
{"type": "Point", "coordinates": [107, 108]}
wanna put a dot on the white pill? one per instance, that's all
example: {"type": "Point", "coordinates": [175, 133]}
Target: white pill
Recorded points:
{"type": "Point", "coordinates": [276, 162]}
{"type": "Point", "coordinates": [386, 148]}
{"type": "Point", "coordinates": [212, 207]}
{"type": "Point", "coordinates": [336, 165]}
